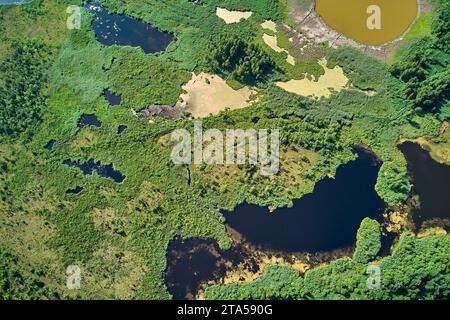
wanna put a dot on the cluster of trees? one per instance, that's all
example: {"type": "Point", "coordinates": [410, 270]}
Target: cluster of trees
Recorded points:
{"type": "Point", "coordinates": [424, 67]}
{"type": "Point", "coordinates": [23, 75]}
{"type": "Point", "coordinates": [368, 241]}
{"type": "Point", "coordinates": [441, 25]}
{"type": "Point", "coordinates": [244, 62]}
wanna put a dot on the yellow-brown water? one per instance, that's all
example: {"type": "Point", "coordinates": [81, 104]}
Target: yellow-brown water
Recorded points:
{"type": "Point", "coordinates": [350, 17]}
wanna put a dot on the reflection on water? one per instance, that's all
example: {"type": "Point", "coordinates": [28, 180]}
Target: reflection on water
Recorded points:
{"type": "Point", "coordinates": [192, 263]}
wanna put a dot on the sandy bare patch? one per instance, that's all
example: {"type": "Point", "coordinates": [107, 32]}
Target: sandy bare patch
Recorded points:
{"type": "Point", "coordinates": [269, 25]}
{"type": "Point", "coordinates": [209, 94]}
{"type": "Point", "coordinates": [272, 41]}
{"type": "Point", "coordinates": [232, 16]}
{"type": "Point", "coordinates": [334, 80]}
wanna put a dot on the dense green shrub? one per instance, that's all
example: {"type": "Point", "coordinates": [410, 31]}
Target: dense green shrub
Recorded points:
{"type": "Point", "coordinates": [23, 77]}
{"type": "Point", "coordinates": [243, 62]}
{"type": "Point", "coordinates": [424, 66]}
{"type": "Point", "coordinates": [368, 241]}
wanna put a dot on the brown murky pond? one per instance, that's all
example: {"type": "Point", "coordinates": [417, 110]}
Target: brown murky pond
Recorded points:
{"type": "Point", "coordinates": [350, 17]}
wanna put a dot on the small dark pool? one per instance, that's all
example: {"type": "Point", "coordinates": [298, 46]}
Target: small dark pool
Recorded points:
{"type": "Point", "coordinates": [77, 190]}
{"type": "Point", "coordinates": [326, 220]}
{"type": "Point", "coordinates": [89, 120]}
{"type": "Point", "coordinates": [431, 182]}
{"type": "Point", "coordinates": [121, 129]}
{"type": "Point", "coordinates": [112, 98]}
{"type": "Point", "coordinates": [114, 29]}
{"type": "Point", "coordinates": [50, 144]}
{"type": "Point", "coordinates": [106, 171]}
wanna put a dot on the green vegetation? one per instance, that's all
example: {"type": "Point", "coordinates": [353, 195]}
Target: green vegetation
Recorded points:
{"type": "Point", "coordinates": [240, 61]}
{"type": "Point", "coordinates": [21, 96]}
{"type": "Point", "coordinates": [15, 285]}
{"type": "Point", "coordinates": [424, 66]}
{"type": "Point", "coordinates": [276, 283]}
{"type": "Point", "coordinates": [368, 241]}
{"type": "Point", "coordinates": [118, 233]}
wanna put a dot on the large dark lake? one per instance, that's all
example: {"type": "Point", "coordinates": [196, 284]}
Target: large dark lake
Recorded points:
{"type": "Point", "coordinates": [324, 220]}
{"type": "Point", "coordinates": [431, 182]}
{"type": "Point", "coordinates": [118, 29]}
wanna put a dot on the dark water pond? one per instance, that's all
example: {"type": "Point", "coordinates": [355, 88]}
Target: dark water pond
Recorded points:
{"type": "Point", "coordinates": [4, 2]}
{"type": "Point", "coordinates": [112, 98]}
{"type": "Point", "coordinates": [194, 262]}
{"type": "Point", "coordinates": [121, 128]}
{"type": "Point", "coordinates": [431, 182]}
{"type": "Point", "coordinates": [90, 166]}
{"type": "Point", "coordinates": [89, 120]}
{"type": "Point", "coordinates": [115, 29]}
{"type": "Point", "coordinates": [50, 144]}
{"type": "Point", "coordinates": [326, 220]}
{"type": "Point", "coordinates": [77, 190]}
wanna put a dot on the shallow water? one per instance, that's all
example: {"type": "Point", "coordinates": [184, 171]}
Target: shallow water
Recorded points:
{"type": "Point", "coordinates": [118, 29]}
{"type": "Point", "coordinates": [350, 17]}
{"type": "Point", "coordinates": [194, 262]}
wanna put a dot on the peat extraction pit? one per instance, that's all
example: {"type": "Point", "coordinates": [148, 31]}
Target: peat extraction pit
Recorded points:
{"type": "Point", "coordinates": [325, 220]}
{"type": "Point", "coordinates": [89, 120]}
{"type": "Point", "coordinates": [121, 128]}
{"type": "Point", "coordinates": [431, 183]}
{"type": "Point", "coordinates": [113, 99]}
{"type": "Point", "coordinates": [50, 144]}
{"type": "Point", "coordinates": [76, 190]}
{"type": "Point", "coordinates": [118, 29]}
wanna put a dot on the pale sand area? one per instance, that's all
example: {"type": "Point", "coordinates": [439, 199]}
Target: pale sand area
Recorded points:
{"type": "Point", "coordinates": [269, 25]}
{"type": "Point", "coordinates": [272, 41]}
{"type": "Point", "coordinates": [232, 16]}
{"type": "Point", "coordinates": [334, 80]}
{"type": "Point", "coordinates": [203, 99]}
